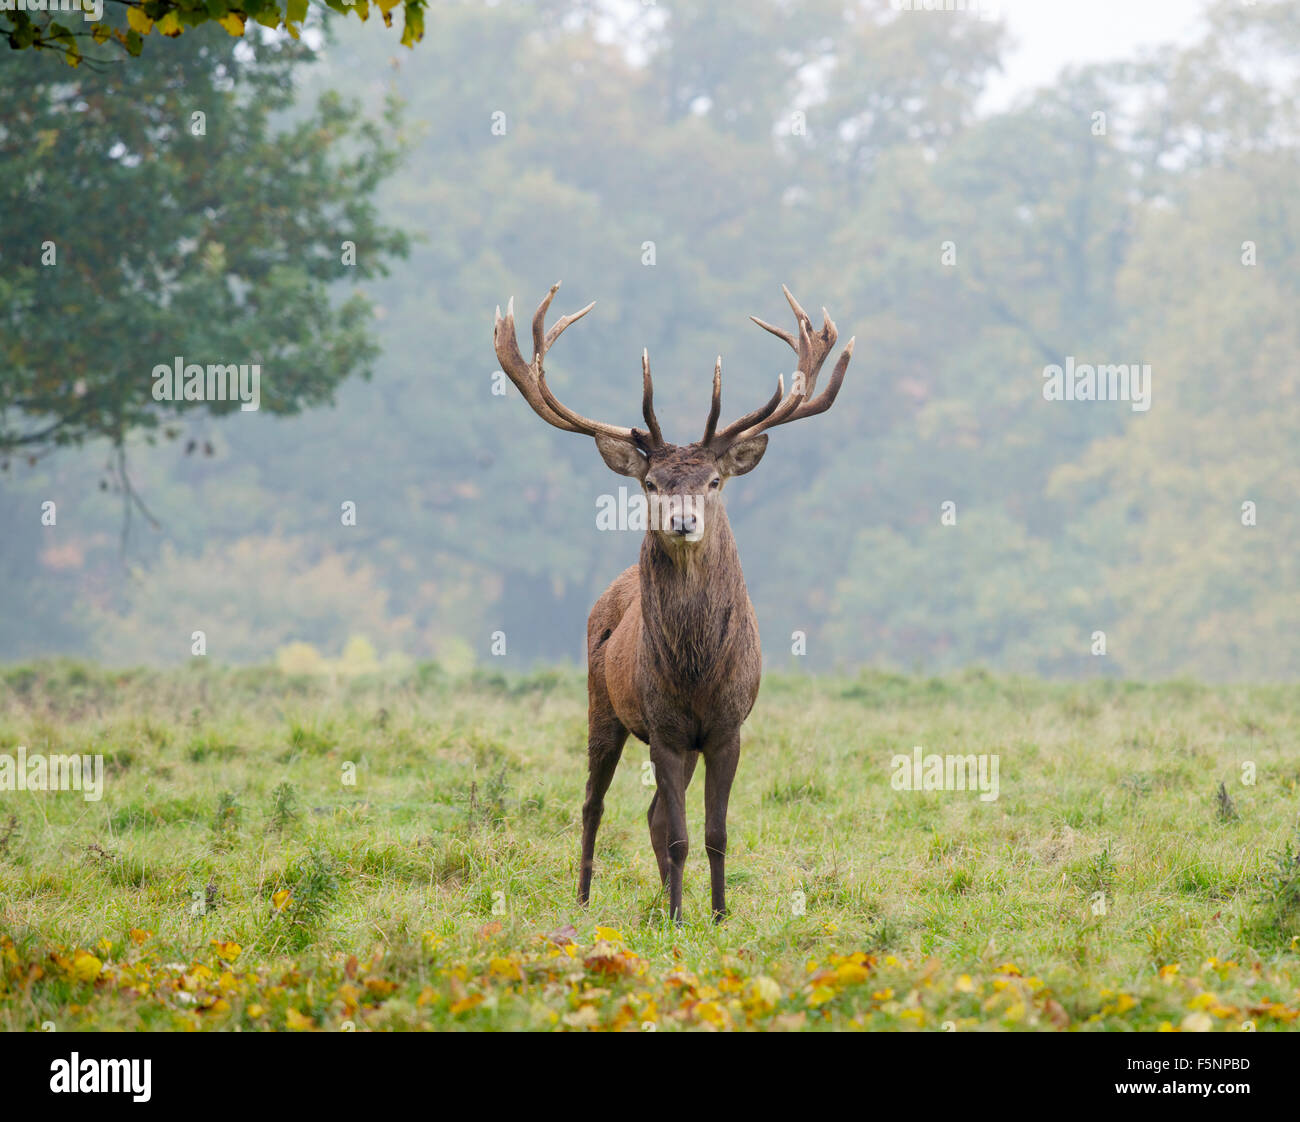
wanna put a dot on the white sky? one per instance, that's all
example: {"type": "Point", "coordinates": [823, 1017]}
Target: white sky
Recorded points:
{"type": "Point", "coordinates": [1049, 34]}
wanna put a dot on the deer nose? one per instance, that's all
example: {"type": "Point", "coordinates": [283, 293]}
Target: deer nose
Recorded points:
{"type": "Point", "coordinates": [683, 523]}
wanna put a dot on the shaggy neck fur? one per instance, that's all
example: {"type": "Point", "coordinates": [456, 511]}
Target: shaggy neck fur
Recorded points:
{"type": "Point", "coordinates": [693, 599]}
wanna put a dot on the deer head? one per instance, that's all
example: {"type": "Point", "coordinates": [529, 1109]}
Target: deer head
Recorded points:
{"type": "Point", "coordinates": [682, 482]}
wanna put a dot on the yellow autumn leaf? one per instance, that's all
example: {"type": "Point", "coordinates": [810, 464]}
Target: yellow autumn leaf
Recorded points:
{"type": "Point", "coordinates": [281, 899]}
{"type": "Point", "coordinates": [170, 25]}
{"type": "Point", "coordinates": [85, 966]}
{"type": "Point", "coordinates": [1122, 1004]}
{"type": "Point", "coordinates": [711, 1012]}
{"type": "Point", "coordinates": [138, 21]}
{"type": "Point", "coordinates": [766, 991]}
{"type": "Point", "coordinates": [850, 974]}
{"type": "Point", "coordinates": [609, 935]}
{"type": "Point", "coordinates": [139, 935]}
{"type": "Point", "coordinates": [296, 1021]}
{"type": "Point", "coordinates": [466, 1003]}
{"type": "Point", "coordinates": [820, 996]}
{"type": "Point", "coordinates": [233, 22]}
{"type": "Point", "coordinates": [255, 1010]}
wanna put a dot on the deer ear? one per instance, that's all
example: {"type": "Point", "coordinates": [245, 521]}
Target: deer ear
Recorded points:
{"type": "Point", "coordinates": [622, 457]}
{"type": "Point", "coordinates": [743, 457]}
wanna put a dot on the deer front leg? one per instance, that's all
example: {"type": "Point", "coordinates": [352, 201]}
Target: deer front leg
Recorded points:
{"type": "Point", "coordinates": [658, 822]}
{"type": "Point", "coordinates": [719, 771]}
{"type": "Point", "coordinates": [668, 820]}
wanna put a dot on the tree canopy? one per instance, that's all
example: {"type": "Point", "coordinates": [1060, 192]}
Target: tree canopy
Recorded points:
{"type": "Point", "coordinates": [77, 29]}
{"type": "Point", "coordinates": [155, 214]}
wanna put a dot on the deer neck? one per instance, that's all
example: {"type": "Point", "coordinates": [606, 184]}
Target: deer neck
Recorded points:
{"type": "Point", "coordinates": [693, 603]}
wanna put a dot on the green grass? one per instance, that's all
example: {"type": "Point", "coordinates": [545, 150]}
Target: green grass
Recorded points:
{"type": "Point", "coordinates": [232, 876]}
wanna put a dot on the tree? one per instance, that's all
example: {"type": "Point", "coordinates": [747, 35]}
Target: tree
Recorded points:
{"type": "Point", "coordinates": [230, 262]}
{"type": "Point", "coordinates": [34, 26]}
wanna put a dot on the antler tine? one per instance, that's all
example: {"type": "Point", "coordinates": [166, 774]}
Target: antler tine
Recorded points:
{"type": "Point", "coordinates": [826, 398]}
{"type": "Point", "coordinates": [715, 409]}
{"type": "Point", "coordinates": [539, 323]}
{"type": "Point", "coordinates": [779, 332]}
{"type": "Point", "coordinates": [729, 435]}
{"type": "Point", "coordinates": [530, 377]}
{"type": "Point", "coordinates": [647, 401]}
{"type": "Point", "coordinates": [812, 347]}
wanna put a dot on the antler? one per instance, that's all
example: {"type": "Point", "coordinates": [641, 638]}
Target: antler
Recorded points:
{"type": "Point", "coordinates": [530, 377]}
{"type": "Point", "coordinates": [812, 349]}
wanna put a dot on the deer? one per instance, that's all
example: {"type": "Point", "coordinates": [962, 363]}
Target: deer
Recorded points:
{"type": "Point", "coordinates": [673, 654]}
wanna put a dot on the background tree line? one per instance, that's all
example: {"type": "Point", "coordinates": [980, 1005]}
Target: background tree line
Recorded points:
{"type": "Point", "coordinates": [677, 163]}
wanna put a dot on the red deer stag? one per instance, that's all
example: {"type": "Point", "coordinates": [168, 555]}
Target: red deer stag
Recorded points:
{"type": "Point", "coordinates": [672, 645]}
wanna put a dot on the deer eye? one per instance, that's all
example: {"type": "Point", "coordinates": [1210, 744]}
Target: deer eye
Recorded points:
{"type": "Point", "coordinates": [715, 483]}
{"type": "Point", "coordinates": [650, 486]}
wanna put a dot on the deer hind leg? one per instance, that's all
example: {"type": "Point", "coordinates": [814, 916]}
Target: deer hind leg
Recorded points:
{"type": "Point", "coordinates": [606, 736]}
{"type": "Point", "coordinates": [667, 819]}
{"type": "Point", "coordinates": [719, 771]}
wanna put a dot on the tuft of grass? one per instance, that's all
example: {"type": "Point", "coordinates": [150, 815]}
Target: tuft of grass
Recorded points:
{"type": "Point", "coordinates": [284, 808]}
{"type": "Point", "coordinates": [226, 821]}
{"type": "Point", "coordinates": [10, 834]}
{"type": "Point", "coordinates": [1227, 809]}
{"type": "Point", "coordinates": [1276, 919]}
{"type": "Point", "coordinates": [312, 884]}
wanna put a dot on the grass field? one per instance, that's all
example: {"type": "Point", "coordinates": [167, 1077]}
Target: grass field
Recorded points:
{"type": "Point", "coordinates": [231, 876]}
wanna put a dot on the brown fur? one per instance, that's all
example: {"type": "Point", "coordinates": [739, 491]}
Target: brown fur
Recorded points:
{"type": "Point", "coordinates": [673, 658]}
{"type": "Point", "coordinates": [672, 645]}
